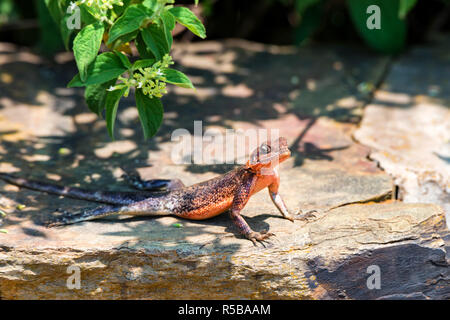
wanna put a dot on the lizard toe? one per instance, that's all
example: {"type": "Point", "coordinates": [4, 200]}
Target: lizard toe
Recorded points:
{"type": "Point", "coordinates": [52, 224]}
{"type": "Point", "coordinates": [256, 237]}
{"type": "Point", "coordinates": [305, 216]}
{"type": "Point", "coordinates": [58, 221]}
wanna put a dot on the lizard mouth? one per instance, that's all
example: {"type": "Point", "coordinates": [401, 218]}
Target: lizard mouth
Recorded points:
{"type": "Point", "coordinates": [284, 153]}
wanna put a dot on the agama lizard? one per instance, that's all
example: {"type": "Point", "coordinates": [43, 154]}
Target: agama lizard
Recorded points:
{"type": "Point", "coordinates": [204, 200]}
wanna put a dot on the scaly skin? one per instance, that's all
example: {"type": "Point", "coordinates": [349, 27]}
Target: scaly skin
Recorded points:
{"type": "Point", "coordinates": [204, 200]}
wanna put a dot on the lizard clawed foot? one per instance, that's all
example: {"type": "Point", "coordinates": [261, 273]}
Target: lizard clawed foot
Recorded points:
{"type": "Point", "coordinates": [259, 236]}
{"type": "Point", "coordinates": [305, 216]}
{"type": "Point", "coordinates": [60, 210]}
{"type": "Point", "coordinates": [58, 221]}
{"type": "Point", "coordinates": [53, 223]}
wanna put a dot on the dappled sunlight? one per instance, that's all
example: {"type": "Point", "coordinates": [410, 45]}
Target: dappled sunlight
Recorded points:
{"type": "Point", "coordinates": [314, 109]}
{"type": "Point", "coordinates": [120, 147]}
{"type": "Point", "coordinates": [312, 137]}
{"type": "Point", "coordinates": [406, 127]}
{"type": "Point", "coordinates": [270, 88]}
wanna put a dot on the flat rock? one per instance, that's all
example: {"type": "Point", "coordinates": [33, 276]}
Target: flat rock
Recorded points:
{"type": "Point", "coordinates": [407, 126]}
{"type": "Point", "coordinates": [310, 95]}
{"type": "Point", "coordinates": [148, 259]}
{"type": "Point", "coordinates": [48, 134]}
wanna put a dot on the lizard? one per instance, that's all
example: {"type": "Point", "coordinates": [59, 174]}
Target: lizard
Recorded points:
{"type": "Point", "coordinates": [228, 192]}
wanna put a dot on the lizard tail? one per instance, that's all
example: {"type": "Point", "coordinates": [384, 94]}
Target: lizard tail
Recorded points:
{"type": "Point", "coordinates": [84, 215]}
{"type": "Point", "coordinates": [149, 207]}
{"type": "Point", "coordinates": [109, 197]}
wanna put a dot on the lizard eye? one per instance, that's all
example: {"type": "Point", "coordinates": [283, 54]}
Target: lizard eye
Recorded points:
{"type": "Point", "coordinates": [265, 149]}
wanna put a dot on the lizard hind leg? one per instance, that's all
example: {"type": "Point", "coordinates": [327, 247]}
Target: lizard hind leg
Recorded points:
{"type": "Point", "coordinates": [245, 230]}
{"type": "Point", "coordinates": [135, 180]}
{"type": "Point", "coordinates": [160, 184]}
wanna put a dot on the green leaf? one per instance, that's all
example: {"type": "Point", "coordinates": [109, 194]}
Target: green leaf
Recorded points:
{"type": "Point", "coordinates": [144, 63]}
{"type": "Point", "coordinates": [168, 19]}
{"type": "Point", "coordinates": [64, 151]}
{"type": "Point", "coordinates": [119, 10]}
{"type": "Point", "coordinates": [405, 7]}
{"type": "Point", "coordinates": [55, 10]}
{"type": "Point", "coordinates": [302, 5]}
{"type": "Point", "coordinates": [88, 14]}
{"type": "Point", "coordinates": [95, 96]}
{"type": "Point", "coordinates": [124, 39]}
{"type": "Point", "coordinates": [155, 39]}
{"type": "Point", "coordinates": [178, 78]}
{"type": "Point", "coordinates": [86, 45]}
{"type": "Point", "coordinates": [310, 20]}
{"type": "Point", "coordinates": [50, 38]}
{"type": "Point", "coordinates": [130, 21]}
{"type": "Point", "coordinates": [168, 22]}
{"type": "Point", "coordinates": [188, 19]}
{"type": "Point", "coordinates": [112, 103]}
{"type": "Point", "coordinates": [150, 4]}
{"type": "Point", "coordinates": [142, 48]}
{"type": "Point", "coordinates": [150, 113]}
{"type": "Point", "coordinates": [65, 32]}
{"type": "Point", "coordinates": [125, 62]}
{"type": "Point", "coordinates": [106, 66]}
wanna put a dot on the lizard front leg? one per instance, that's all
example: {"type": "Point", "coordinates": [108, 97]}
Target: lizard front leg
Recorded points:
{"type": "Point", "coordinates": [279, 203]}
{"type": "Point", "coordinates": [240, 200]}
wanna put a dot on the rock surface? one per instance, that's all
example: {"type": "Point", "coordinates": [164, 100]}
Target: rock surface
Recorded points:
{"type": "Point", "coordinates": [407, 126]}
{"type": "Point", "coordinates": [315, 98]}
{"type": "Point", "coordinates": [325, 258]}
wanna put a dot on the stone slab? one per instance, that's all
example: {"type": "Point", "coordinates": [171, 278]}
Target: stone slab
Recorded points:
{"type": "Point", "coordinates": [407, 125]}
{"type": "Point", "coordinates": [322, 259]}
{"type": "Point", "coordinates": [46, 133]}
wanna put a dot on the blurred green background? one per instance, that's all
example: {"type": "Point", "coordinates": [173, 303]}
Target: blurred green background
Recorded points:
{"type": "Point", "coordinates": [299, 22]}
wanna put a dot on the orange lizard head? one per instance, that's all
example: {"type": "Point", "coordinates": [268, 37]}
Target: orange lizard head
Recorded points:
{"type": "Point", "coordinates": [269, 153]}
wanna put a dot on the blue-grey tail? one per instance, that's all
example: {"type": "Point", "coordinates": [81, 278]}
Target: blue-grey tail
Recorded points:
{"type": "Point", "coordinates": [108, 197]}
{"type": "Point", "coordinates": [149, 206]}
{"type": "Point", "coordinates": [84, 215]}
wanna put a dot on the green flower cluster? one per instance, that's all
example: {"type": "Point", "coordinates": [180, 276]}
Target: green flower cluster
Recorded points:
{"type": "Point", "coordinates": [151, 80]}
{"type": "Point", "coordinates": [101, 5]}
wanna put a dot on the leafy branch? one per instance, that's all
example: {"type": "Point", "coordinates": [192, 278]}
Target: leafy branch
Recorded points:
{"type": "Point", "coordinates": [109, 76]}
